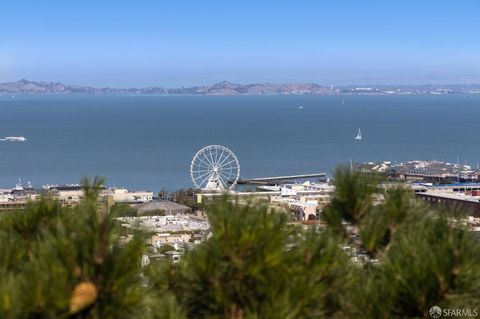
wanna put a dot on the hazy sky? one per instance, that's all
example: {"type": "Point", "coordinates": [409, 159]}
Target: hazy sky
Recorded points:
{"type": "Point", "coordinates": [174, 43]}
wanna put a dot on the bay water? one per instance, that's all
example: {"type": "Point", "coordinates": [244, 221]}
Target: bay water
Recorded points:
{"type": "Point", "coordinates": [147, 142]}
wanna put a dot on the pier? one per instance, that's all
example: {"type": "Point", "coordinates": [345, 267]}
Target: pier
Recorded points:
{"type": "Point", "coordinates": [275, 180]}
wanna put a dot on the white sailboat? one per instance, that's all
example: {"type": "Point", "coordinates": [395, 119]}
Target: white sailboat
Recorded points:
{"type": "Point", "coordinates": [359, 135]}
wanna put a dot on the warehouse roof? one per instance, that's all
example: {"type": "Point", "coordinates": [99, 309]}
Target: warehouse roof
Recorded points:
{"type": "Point", "coordinates": [169, 207]}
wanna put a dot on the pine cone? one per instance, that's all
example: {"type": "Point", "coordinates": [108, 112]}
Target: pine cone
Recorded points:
{"type": "Point", "coordinates": [84, 294]}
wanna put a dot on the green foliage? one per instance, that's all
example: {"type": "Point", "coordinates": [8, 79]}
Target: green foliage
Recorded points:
{"type": "Point", "coordinates": [352, 199]}
{"type": "Point", "coordinates": [123, 210]}
{"type": "Point", "coordinates": [381, 223]}
{"type": "Point", "coordinates": [185, 197]}
{"type": "Point", "coordinates": [60, 262]}
{"type": "Point", "coordinates": [424, 260]}
{"type": "Point", "coordinates": [433, 263]}
{"type": "Point", "coordinates": [224, 277]}
{"type": "Point", "coordinates": [256, 266]}
{"type": "Point", "coordinates": [165, 248]}
{"type": "Point", "coordinates": [162, 282]}
{"type": "Point", "coordinates": [67, 263]}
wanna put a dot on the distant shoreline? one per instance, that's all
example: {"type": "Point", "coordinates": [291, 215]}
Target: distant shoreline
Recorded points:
{"type": "Point", "coordinates": [233, 89]}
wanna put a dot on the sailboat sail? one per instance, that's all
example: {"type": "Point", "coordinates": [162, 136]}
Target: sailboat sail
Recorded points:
{"type": "Point", "coordinates": [359, 135]}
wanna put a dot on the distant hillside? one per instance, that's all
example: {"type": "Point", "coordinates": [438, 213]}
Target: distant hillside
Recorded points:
{"type": "Point", "coordinates": [227, 88]}
{"type": "Point", "coordinates": [24, 87]}
{"type": "Point", "coordinates": [224, 88]}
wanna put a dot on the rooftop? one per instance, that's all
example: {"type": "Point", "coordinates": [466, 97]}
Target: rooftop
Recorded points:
{"type": "Point", "coordinates": [164, 205]}
{"type": "Point", "coordinates": [453, 195]}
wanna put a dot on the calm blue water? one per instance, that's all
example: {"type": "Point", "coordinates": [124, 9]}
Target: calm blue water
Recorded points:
{"type": "Point", "coordinates": [147, 142]}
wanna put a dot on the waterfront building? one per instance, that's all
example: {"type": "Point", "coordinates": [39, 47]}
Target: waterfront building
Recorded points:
{"type": "Point", "coordinates": [123, 195]}
{"type": "Point", "coordinates": [460, 202]}
{"type": "Point", "coordinates": [418, 170]}
{"type": "Point", "coordinates": [68, 195]}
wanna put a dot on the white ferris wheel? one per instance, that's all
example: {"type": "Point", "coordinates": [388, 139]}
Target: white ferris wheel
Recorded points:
{"type": "Point", "coordinates": [214, 167]}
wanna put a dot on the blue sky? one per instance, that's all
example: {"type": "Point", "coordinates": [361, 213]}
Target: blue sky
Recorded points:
{"type": "Point", "coordinates": [182, 43]}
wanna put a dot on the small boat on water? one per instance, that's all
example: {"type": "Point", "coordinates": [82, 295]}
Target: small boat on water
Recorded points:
{"type": "Point", "coordinates": [13, 139]}
{"type": "Point", "coordinates": [359, 135]}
